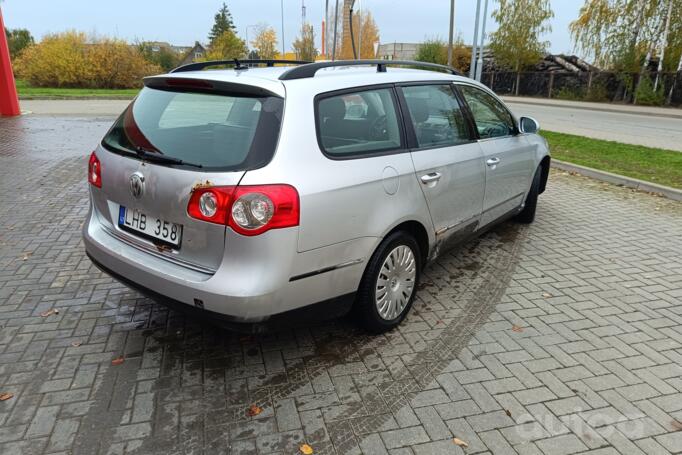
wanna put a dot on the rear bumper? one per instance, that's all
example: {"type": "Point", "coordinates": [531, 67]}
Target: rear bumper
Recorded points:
{"type": "Point", "coordinates": [324, 310]}
{"type": "Point", "coordinates": [253, 282]}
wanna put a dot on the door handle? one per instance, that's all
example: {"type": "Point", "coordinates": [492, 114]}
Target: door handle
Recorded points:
{"type": "Point", "coordinates": [431, 178]}
{"type": "Point", "coordinates": [493, 162]}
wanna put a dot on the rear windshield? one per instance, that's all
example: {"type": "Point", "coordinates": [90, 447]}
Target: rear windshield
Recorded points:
{"type": "Point", "coordinates": [216, 131]}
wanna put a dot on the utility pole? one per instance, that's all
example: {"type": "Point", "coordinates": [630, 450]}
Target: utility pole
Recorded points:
{"type": "Point", "coordinates": [474, 48]}
{"type": "Point", "coordinates": [451, 36]}
{"type": "Point", "coordinates": [479, 65]}
{"type": "Point", "coordinates": [282, 10]}
{"type": "Point", "coordinates": [302, 15]}
{"type": "Point", "coordinates": [325, 44]}
{"type": "Point", "coordinates": [336, 26]}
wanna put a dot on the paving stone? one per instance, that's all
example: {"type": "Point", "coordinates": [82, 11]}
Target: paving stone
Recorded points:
{"type": "Point", "coordinates": [561, 445]}
{"type": "Point", "coordinates": [595, 368]}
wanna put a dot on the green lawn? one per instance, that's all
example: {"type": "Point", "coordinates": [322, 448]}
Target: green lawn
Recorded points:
{"type": "Point", "coordinates": [645, 163]}
{"type": "Point", "coordinates": [26, 91]}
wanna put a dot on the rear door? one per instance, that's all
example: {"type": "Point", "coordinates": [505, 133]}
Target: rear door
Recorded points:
{"type": "Point", "coordinates": [508, 155]}
{"type": "Point", "coordinates": [447, 159]}
{"type": "Point", "coordinates": [218, 136]}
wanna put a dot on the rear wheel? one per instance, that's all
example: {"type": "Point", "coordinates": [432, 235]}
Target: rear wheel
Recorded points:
{"type": "Point", "coordinates": [527, 215]}
{"type": "Point", "coordinates": [389, 284]}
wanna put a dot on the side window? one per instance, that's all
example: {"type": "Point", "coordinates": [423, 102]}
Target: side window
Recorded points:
{"type": "Point", "coordinates": [491, 117]}
{"type": "Point", "coordinates": [358, 123]}
{"type": "Point", "coordinates": [436, 115]}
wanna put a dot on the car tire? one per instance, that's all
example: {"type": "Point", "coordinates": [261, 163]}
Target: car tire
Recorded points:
{"type": "Point", "coordinates": [527, 215]}
{"type": "Point", "coordinates": [389, 284]}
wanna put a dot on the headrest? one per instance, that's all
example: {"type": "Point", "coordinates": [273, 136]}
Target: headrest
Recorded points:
{"type": "Point", "coordinates": [419, 109]}
{"type": "Point", "coordinates": [333, 108]}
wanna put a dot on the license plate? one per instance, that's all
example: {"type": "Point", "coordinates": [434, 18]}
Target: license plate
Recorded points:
{"type": "Point", "coordinates": [149, 226]}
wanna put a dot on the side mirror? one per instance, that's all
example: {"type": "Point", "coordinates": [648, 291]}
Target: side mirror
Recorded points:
{"type": "Point", "coordinates": [529, 125]}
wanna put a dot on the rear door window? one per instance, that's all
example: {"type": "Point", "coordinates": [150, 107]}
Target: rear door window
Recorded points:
{"type": "Point", "coordinates": [217, 131]}
{"type": "Point", "coordinates": [359, 123]}
{"type": "Point", "coordinates": [436, 116]}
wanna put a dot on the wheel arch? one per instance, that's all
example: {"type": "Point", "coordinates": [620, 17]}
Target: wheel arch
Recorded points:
{"type": "Point", "coordinates": [418, 231]}
{"type": "Point", "coordinates": [544, 166]}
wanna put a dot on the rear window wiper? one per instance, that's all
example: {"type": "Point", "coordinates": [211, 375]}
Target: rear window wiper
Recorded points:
{"type": "Point", "coordinates": [160, 158]}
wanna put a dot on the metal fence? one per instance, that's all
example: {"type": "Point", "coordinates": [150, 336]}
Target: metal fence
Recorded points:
{"type": "Point", "coordinates": [596, 86]}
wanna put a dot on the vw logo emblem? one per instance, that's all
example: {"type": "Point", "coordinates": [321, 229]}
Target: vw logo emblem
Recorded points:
{"type": "Point", "coordinates": [137, 185]}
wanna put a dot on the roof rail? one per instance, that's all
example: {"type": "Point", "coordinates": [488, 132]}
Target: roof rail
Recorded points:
{"type": "Point", "coordinates": [309, 70]}
{"type": "Point", "coordinates": [236, 63]}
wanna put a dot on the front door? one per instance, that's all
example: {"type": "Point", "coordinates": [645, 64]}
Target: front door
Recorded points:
{"type": "Point", "coordinates": [448, 161]}
{"type": "Point", "coordinates": [508, 156]}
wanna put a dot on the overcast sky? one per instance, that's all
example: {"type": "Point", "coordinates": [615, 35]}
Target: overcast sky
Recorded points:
{"type": "Point", "coordinates": [183, 22]}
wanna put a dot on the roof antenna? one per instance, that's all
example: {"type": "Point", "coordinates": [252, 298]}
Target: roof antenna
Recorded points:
{"type": "Point", "coordinates": [239, 66]}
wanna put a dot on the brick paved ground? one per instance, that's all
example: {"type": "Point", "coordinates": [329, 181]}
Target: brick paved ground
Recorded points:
{"type": "Point", "coordinates": [562, 337]}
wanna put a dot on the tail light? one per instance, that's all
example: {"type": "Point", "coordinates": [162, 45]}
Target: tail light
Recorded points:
{"type": "Point", "coordinates": [248, 210]}
{"type": "Point", "coordinates": [95, 171]}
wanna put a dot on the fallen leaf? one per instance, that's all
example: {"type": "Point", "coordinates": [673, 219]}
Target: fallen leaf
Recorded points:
{"type": "Point", "coordinates": [677, 425]}
{"type": "Point", "coordinates": [118, 360]}
{"type": "Point", "coordinates": [200, 185]}
{"type": "Point", "coordinates": [6, 396]}
{"type": "Point", "coordinates": [253, 410]}
{"type": "Point", "coordinates": [306, 449]}
{"type": "Point", "coordinates": [25, 256]}
{"type": "Point", "coordinates": [547, 295]}
{"type": "Point", "coordinates": [460, 443]}
{"type": "Point", "coordinates": [508, 412]}
{"type": "Point", "coordinates": [516, 328]}
{"type": "Point", "coordinates": [49, 312]}
{"type": "Point", "coordinates": [75, 344]}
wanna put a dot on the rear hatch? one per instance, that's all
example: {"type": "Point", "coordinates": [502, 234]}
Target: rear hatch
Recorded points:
{"type": "Point", "coordinates": [180, 134]}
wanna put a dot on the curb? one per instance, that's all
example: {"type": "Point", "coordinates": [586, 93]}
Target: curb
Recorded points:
{"type": "Point", "coordinates": [616, 179]}
{"type": "Point", "coordinates": [540, 102]}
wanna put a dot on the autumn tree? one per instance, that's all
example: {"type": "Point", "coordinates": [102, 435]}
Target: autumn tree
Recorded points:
{"type": "Point", "coordinates": [624, 35]}
{"type": "Point", "coordinates": [227, 46]}
{"type": "Point", "coordinates": [72, 59]}
{"type": "Point", "coordinates": [222, 22]}
{"type": "Point", "coordinates": [435, 50]}
{"type": "Point", "coordinates": [366, 35]}
{"type": "Point", "coordinates": [160, 55]}
{"type": "Point", "coordinates": [516, 42]}
{"type": "Point", "coordinates": [265, 42]}
{"type": "Point", "coordinates": [18, 39]}
{"type": "Point", "coordinates": [304, 45]}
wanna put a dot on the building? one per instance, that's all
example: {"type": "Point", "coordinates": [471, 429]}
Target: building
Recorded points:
{"type": "Point", "coordinates": [192, 54]}
{"type": "Point", "coordinates": [398, 51]}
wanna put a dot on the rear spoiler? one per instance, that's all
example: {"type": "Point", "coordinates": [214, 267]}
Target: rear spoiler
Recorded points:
{"type": "Point", "coordinates": [192, 84]}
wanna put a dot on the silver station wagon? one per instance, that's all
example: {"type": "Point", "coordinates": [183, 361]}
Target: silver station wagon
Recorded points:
{"type": "Point", "coordinates": [259, 192]}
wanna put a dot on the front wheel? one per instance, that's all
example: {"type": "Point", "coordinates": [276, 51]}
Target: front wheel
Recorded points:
{"type": "Point", "coordinates": [389, 284]}
{"type": "Point", "coordinates": [527, 215]}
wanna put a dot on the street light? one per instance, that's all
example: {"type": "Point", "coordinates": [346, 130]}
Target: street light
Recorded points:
{"type": "Point", "coordinates": [452, 31]}
{"type": "Point", "coordinates": [474, 49]}
{"type": "Point", "coordinates": [282, 9]}
{"type": "Point", "coordinates": [479, 65]}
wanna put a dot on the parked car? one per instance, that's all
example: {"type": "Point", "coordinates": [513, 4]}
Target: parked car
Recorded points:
{"type": "Point", "coordinates": [251, 193]}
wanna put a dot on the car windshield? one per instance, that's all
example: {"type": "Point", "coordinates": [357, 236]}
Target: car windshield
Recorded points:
{"type": "Point", "coordinates": [215, 131]}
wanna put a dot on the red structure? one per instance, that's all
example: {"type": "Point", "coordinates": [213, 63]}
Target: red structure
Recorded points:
{"type": "Point", "coordinates": [9, 101]}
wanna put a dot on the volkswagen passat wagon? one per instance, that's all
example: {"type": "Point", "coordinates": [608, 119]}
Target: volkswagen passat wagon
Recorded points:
{"type": "Point", "coordinates": [249, 193]}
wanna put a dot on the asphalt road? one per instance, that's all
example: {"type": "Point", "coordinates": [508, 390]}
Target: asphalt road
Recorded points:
{"type": "Point", "coordinates": [648, 130]}
{"type": "Point", "coordinates": [653, 127]}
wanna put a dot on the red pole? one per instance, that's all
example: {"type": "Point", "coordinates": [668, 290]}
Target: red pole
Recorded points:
{"type": "Point", "coordinates": [9, 101]}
